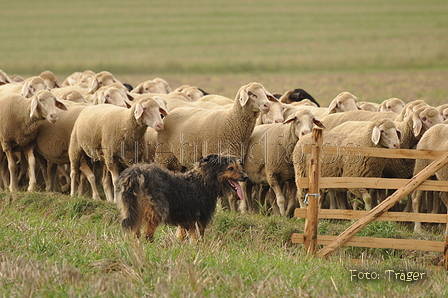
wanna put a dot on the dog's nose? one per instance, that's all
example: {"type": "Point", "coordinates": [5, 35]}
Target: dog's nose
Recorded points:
{"type": "Point", "coordinates": [245, 178]}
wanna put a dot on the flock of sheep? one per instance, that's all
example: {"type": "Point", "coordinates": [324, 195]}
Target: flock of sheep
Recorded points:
{"type": "Point", "coordinates": [80, 134]}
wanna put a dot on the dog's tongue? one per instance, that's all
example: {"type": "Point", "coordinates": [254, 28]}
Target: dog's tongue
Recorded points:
{"type": "Point", "coordinates": [239, 189]}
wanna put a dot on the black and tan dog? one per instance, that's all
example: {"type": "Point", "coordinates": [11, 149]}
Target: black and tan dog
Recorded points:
{"type": "Point", "coordinates": [148, 194]}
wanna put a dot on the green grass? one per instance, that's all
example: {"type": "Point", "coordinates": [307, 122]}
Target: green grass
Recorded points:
{"type": "Point", "coordinates": [52, 245]}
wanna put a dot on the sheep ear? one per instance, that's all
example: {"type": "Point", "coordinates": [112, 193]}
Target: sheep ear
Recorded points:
{"type": "Point", "coordinates": [318, 123]}
{"type": "Point", "coordinates": [60, 105]}
{"type": "Point", "coordinates": [138, 110]}
{"type": "Point", "coordinates": [26, 90]}
{"type": "Point", "coordinates": [399, 135]}
{"type": "Point", "coordinates": [34, 104]}
{"type": "Point", "coordinates": [244, 97]}
{"type": "Point", "coordinates": [163, 112]}
{"type": "Point", "coordinates": [332, 107]}
{"type": "Point", "coordinates": [100, 98]}
{"type": "Point", "coordinates": [93, 86]}
{"type": "Point", "coordinates": [290, 119]}
{"type": "Point", "coordinates": [270, 96]}
{"type": "Point", "coordinates": [138, 89]}
{"type": "Point", "coordinates": [417, 124]}
{"type": "Point", "coordinates": [376, 135]}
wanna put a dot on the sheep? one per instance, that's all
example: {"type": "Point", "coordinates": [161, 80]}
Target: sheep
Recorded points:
{"type": "Point", "coordinates": [345, 101]}
{"type": "Point", "coordinates": [215, 130]}
{"type": "Point", "coordinates": [109, 134]}
{"type": "Point", "coordinates": [412, 128]}
{"type": "Point", "coordinates": [368, 106]}
{"type": "Point", "coordinates": [21, 118]}
{"type": "Point", "coordinates": [50, 79]}
{"type": "Point", "coordinates": [392, 104]}
{"type": "Point", "coordinates": [101, 79]}
{"type": "Point", "coordinates": [52, 140]}
{"type": "Point", "coordinates": [379, 133]}
{"type": "Point", "coordinates": [149, 86]}
{"type": "Point", "coordinates": [268, 160]}
{"type": "Point", "coordinates": [433, 139]}
{"type": "Point", "coordinates": [297, 95]}
{"type": "Point", "coordinates": [274, 115]}
{"type": "Point", "coordinates": [111, 94]}
{"type": "Point", "coordinates": [79, 78]}
{"type": "Point", "coordinates": [443, 110]}
{"type": "Point", "coordinates": [69, 94]}
{"type": "Point", "coordinates": [4, 78]}
{"type": "Point", "coordinates": [194, 93]}
{"type": "Point", "coordinates": [163, 84]}
{"type": "Point", "coordinates": [27, 88]}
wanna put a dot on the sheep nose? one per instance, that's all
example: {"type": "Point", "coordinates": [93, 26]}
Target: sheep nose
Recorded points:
{"type": "Point", "coordinates": [266, 106]}
{"type": "Point", "coordinates": [305, 132]}
{"type": "Point", "coordinates": [279, 120]}
{"type": "Point", "coordinates": [53, 117]}
{"type": "Point", "coordinates": [159, 127]}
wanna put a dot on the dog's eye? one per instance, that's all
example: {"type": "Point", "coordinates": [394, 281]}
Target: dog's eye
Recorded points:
{"type": "Point", "coordinates": [230, 169]}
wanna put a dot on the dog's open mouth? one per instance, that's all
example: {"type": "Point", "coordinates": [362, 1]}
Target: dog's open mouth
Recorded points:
{"type": "Point", "coordinates": [235, 186]}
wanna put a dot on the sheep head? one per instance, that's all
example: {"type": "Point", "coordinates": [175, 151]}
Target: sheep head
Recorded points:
{"type": "Point", "coordinates": [111, 95]}
{"type": "Point", "coordinates": [150, 111]}
{"type": "Point", "coordinates": [304, 120]}
{"type": "Point", "coordinates": [387, 135]}
{"type": "Point", "coordinates": [32, 85]}
{"type": "Point", "coordinates": [344, 102]}
{"type": "Point", "coordinates": [101, 79]}
{"type": "Point", "coordinates": [255, 95]}
{"type": "Point", "coordinates": [44, 104]}
{"type": "Point", "coordinates": [424, 118]}
{"type": "Point", "coordinates": [395, 105]}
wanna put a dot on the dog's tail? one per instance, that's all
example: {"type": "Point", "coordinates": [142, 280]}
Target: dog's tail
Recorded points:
{"type": "Point", "coordinates": [127, 190]}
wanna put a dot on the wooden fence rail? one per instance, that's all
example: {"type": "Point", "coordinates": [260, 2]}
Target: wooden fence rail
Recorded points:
{"type": "Point", "coordinates": [404, 187]}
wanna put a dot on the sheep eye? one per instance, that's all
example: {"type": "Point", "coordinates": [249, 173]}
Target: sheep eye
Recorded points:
{"type": "Point", "coordinates": [424, 119]}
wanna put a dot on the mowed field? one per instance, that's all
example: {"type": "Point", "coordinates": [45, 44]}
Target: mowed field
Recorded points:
{"type": "Point", "coordinates": [374, 49]}
{"type": "Point", "coordinates": [52, 245]}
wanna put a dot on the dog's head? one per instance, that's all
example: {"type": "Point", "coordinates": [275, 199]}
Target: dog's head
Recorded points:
{"type": "Point", "coordinates": [226, 169]}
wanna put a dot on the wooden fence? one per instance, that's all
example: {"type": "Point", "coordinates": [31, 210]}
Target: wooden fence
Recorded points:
{"type": "Point", "coordinates": [404, 187]}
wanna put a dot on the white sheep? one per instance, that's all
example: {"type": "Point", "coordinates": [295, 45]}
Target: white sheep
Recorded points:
{"type": "Point", "coordinates": [115, 94]}
{"type": "Point", "coordinates": [149, 86]}
{"type": "Point", "coordinates": [368, 106]}
{"type": "Point", "coordinates": [52, 141]}
{"type": "Point", "coordinates": [192, 132]}
{"type": "Point", "coordinates": [4, 78]}
{"type": "Point", "coordinates": [27, 88]}
{"type": "Point", "coordinates": [380, 133]}
{"type": "Point", "coordinates": [70, 94]}
{"type": "Point", "coordinates": [101, 79]}
{"type": "Point", "coordinates": [345, 101]}
{"type": "Point", "coordinates": [50, 79]}
{"type": "Point", "coordinates": [112, 135]}
{"type": "Point", "coordinates": [21, 118]}
{"type": "Point", "coordinates": [434, 139]}
{"type": "Point", "coordinates": [268, 159]}
{"type": "Point", "coordinates": [392, 104]}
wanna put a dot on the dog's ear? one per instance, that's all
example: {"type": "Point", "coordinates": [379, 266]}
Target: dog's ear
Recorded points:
{"type": "Point", "coordinates": [212, 158]}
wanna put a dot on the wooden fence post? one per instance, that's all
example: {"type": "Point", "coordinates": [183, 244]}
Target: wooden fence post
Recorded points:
{"type": "Point", "coordinates": [310, 233]}
{"type": "Point", "coordinates": [385, 205]}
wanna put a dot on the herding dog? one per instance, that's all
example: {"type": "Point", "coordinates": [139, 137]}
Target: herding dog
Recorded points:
{"type": "Point", "coordinates": [148, 194]}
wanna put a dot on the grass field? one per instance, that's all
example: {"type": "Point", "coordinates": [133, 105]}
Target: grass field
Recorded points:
{"type": "Point", "coordinates": [52, 245]}
{"type": "Point", "coordinates": [374, 49]}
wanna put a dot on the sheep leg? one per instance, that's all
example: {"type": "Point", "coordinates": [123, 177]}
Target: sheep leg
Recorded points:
{"type": "Point", "coordinates": [416, 203]}
{"type": "Point", "coordinates": [32, 184]}
{"type": "Point", "coordinates": [114, 171]}
{"type": "Point", "coordinates": [292, 201]}
{"type": "Point", "coordinates": [62, 173]}
{"type": "Point", "coordinates": [13, 181]}
{"type": "Point", "coordinates": [23, 166]}
{"type": "Point", "coordinates": [85, 169]}
{"type": "Point", "coordinates": [107, 185]}
{"type": "Point", "coordinates": [333, 199]}
{"type": "Point", "coordinates": [279, 197]}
